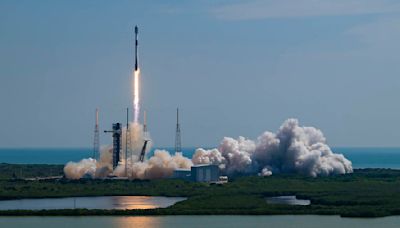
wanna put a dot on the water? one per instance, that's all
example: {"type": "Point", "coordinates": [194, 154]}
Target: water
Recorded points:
{"type": "Point", "coordinates": [372, 157]}
{"type": "Point", "coordinates": [284, 221]}
{"type": "Point", "coordinates": [102, 202]}
{"type": "Point", "coordinates": [287, 200]}
{"type": "Point", "coordinates": [360, 157]}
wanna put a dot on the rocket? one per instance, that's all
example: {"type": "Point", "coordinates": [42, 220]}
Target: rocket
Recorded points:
{"type": "Point", "coordinates": [136, 47]}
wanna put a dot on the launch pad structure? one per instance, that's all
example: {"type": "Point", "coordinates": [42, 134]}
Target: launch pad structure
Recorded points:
{"type": "Point", "coordinates": [116, 134]}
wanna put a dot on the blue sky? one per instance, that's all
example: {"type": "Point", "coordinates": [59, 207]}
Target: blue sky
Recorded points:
{"type": "Point", "coordinates": [233, 67]}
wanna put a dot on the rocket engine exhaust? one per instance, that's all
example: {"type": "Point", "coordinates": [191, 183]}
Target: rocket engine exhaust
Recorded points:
{"type": "Point", "coordinates": [136, 83]}
{"type": "Point", "coordinates": [136, 105]}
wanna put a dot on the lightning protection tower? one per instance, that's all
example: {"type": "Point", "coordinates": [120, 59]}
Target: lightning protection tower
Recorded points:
{"type": "Point", "coordinates": [145, 134]}
{"type": "Point", "coordinates": [96, 140]}
{"type": "Point", "coordinates": [178, 145]}
{"type": "Point", "coordinates": [128, 148]}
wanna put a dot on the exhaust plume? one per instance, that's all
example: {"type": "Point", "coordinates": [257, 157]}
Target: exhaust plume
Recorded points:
{"type": "Point", "coordinates": [293, 149]}
{"type": "Point", "coordinates": [136, 100]}
{"type": "Point", "coordinates": [161, 165]}
{"type": "Point", "coordinates": [90, 167]}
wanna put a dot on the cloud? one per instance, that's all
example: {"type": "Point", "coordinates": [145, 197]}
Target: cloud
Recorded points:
{"type": "Point", "coordinates": [266, 9]}
{"type": "Point", "coordinates": [381, 34]}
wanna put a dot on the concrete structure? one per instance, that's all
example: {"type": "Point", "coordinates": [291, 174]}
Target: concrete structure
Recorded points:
{"type": "Point", "coordinates": [205, 173]}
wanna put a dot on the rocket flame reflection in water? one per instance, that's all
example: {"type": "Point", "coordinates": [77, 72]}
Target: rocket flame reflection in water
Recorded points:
{"type": "Point", "coordinates": [100, 202]}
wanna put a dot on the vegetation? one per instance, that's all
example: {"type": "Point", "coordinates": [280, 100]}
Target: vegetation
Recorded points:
{"type": "Point", "coordinates": [13, 171]}
{"type": "Point", "coordinates": [365, 193]}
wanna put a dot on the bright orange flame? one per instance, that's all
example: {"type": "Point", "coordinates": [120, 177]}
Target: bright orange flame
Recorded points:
{"type": "Point", "coordinates": [136, 86]}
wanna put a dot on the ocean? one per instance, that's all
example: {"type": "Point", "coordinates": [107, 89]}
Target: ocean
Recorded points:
{"type": "Point", "coordinates": [368, 157]}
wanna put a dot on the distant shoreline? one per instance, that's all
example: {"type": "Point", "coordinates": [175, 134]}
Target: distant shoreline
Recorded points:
{"type": "Point", "coordinates": [361, 157]}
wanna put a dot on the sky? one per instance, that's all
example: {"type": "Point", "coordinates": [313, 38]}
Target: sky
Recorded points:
{"type": "Point", "coordinates": [234, 68]}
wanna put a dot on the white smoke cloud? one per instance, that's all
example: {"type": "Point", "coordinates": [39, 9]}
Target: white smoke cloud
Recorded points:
{"type": "Point", "coordinates": [161, 165]}
{"type": "Point", "coordinates": [76, 170]}
{"type": "Point", "coordinates": [89, 167]}
{"type": "Point", "coordinates": [293, 149]}
{"type": "Point", "coordinates": [202, 156]}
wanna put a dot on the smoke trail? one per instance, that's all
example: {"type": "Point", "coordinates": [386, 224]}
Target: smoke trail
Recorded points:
{"type": "Point", "coordinates": [136, 100]}
{"type": "Point", "coordinates": [293, 149]}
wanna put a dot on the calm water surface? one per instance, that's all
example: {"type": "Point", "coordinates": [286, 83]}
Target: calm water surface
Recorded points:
{"type": "Point", "coordinates": [103, 202]}
{"type": "Point", "coordinates": [290, 221]}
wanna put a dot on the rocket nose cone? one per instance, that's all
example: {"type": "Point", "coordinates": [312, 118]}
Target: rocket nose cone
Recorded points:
{"type": "Point", "coordinates": [136, 29]}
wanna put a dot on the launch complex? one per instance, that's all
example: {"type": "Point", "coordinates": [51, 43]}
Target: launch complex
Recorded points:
{"type": "Point", "coordinates": [123, 148]}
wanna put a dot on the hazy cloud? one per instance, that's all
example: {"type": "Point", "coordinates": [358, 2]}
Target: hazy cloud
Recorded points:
{"type": "Point", "coordinates": [258, 9]}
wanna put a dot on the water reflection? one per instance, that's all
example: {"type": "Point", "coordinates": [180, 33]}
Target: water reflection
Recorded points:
{"type": "Point", "coordinates": [103, 202]}
{"type": "Point", "coordinates": [288, 200]}
{"type": "Point", "coordinates": [142, 202]}
{"type": "Point", "coordinates": [287, 221]}
{"type": "Point", "coordinates": [138, 221]}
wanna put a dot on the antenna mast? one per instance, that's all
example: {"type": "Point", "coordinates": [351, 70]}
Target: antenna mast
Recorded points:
{"type": "Point", "coordinates": [128, 151]}
{"type": "Point", "coordinates": [96, 140]}
{"type": "Point", "coordinates": [178, 142]}
{"type": "Point", "coordinates": [144, 125]}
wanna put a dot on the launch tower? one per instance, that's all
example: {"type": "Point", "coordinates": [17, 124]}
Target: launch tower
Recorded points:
{"type": "Point", "coordinates": [116, 130]}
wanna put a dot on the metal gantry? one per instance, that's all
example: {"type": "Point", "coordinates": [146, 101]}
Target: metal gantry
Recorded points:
{"type": "Point", "coordinates": [116, 134]}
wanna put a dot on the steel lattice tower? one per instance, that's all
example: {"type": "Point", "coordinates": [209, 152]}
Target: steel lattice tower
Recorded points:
{"type": "Point", "coordinates": [178, 143]}
{"type": "Point", "coordinates": [128, 143]}
{"type": "Point", "coordinates": [96, 140]}
{"type": "Point", "coordinates": [145, 134]}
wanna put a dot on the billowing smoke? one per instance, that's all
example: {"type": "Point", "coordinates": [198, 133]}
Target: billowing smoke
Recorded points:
{"type": "Point", "coordinates": [90, 167]}
{"type": "Point", "coordinates": [161, 165]}
{"type": "Point", "coordinates": [293, 149]}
